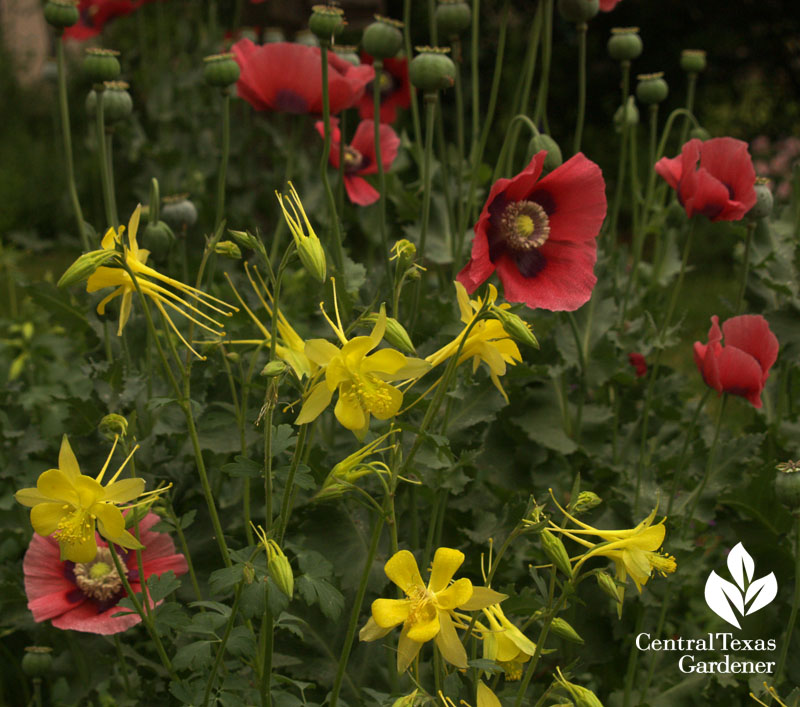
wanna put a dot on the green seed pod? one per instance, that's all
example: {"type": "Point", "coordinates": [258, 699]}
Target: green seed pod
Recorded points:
{"type": "Point", "coordinates": [61, 13]}
{"type": "Point", "coordinates": [699, 133]}
{"type": "Point", "coordinates": [651, 88]}
{"type": "Point", "coordinates": [228, 249]}
{"type": "Point", "coordinates": [307, 38]}
{"type": "Point", "coordinates": [763, 205]}
{"type": "Point", "coordinates": [383, 38]}
{"type": "Point", "coordinates": [787, 485]}
{"type": "Point", "coordinates": [625, 44]}
{"type": "Point", "coordinates": [37, 661]}
{"type": "Point", "coordinates": [348, 53]}
{"type": "Point", "coordinates": [453, 17]}
{"type": "Point", "coordinates": [220, 70]}
{"type": "Point", "coordinates": [555, 550]}
{"type": "Point", "coordinates": [541, 142]}
{"type": "Point", "coordinates": [578, 10]}
{"type": "Point", "coordinates": [326, 21]}
{"type": "Point", "coordinates": [85, 266]}
{"type": "Point", "coordinates": [158, 238]}
{"type": "Point", "coordinates": [274, 34]}
{"type": "Point", "coordinates": [626, 115]}
{"type": "Point", "coordinates": [101, 65]}
{"type": "Point", "coordinates": [274, 368]}
{"type": "Point", "coordinates": [432, 70]}
{"type": "Point", "coordinates": [693, 61]}
{"type": "Point", "coordinates": [563, 629]}
{"type": "Point", "coordinates": [113, 425]}
{"type": "Point", "coordinates": [178, 211]}
{"type": "Point", "coordinates": [117, 102]}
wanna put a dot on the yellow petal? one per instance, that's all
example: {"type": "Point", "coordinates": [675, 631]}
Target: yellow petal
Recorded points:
{"type": "Point", "coordinates": [124, 491]}
{"type": "Point", "coordinates": [356, 349]}
{"type": "Point", "coordinates": [391, 401]}
{"type": "Point", "coordinates": [448, 643]}
{"type": "Point", "coordinates": [379, 329]}
{"type": "Point", "coordinates": [124, 310]}
{"type": "Point", "coordinates": [370, 631]}
{"type": "Point", "coordinates": [506, 648]}
{"type": "Point", "coordinates": [481, 598]}
{"type": "Point", "coordinates": [133, 227]}
{"type": "Point", "coordinates": [108, 239]}
{"type": "Point", "coordinates": [457, 594]}
{"type": "Point", "coordinates": [56, 485]}
{"type": "Point", "coordinates": [67, 462]}
{"type": "Point", "coordinates": [46, 516]}
{"type": "Point", "coordinates": [109, 519]}
{"type": "Point", "coordinates": [425, 624]}
{"type": "Point", "coordinates": [384, 361]}
{"type": "Point", "coordinates": [106, 277]}
{"type": "Point", "coordinates": [337, 373]}
{"type": "Point", "coordinates": [125, 539]}
{"type": "Point", "coordinates": [316, 402]}
{"type": "Point", "coordinates": [30, 497]}
{"type": "Point", "coordinates": [445, 563]}
{"type": "Point", "coordinates": [638, 565]}
{"type": "Point", "coordinates": [407, 650]}
{"type": "Point", "coordinates": [486, 698]}
{"type": "Point", "coordinates": [82, 551]}
{"type": "Point", "coordinates": [348, 410]}
{"type": "Point", "coordinates": [387, 613]}
{"type": "Point", "coordinates": [320, 351]}
{"type": "Point", "coordinates": [402, 569]}
{"type": "Point", "coordinates": [89, 491]}
{"type": "Point", "coordinates": [463, 303]}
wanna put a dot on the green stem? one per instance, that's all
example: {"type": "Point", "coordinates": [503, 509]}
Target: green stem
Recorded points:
{"type": "Point", "coordinates": [582, 372]}
{"type": "Point", "coordinates": [268, 634]}
{"type": "Point", "coordinates": [691, 84]}
{"type": "Point", "coordinates": [286, 506]}
{"type": "Point", "coordinates": [476, 85]}
{"type": "Point", "coordinates": [185, 549]}
{"type": "Point", "coordinates": [111, 217]}
{"type": "Point", "coordinates": [123, 666]}
{"type": "Point", "coordinates": [623, 148]}
{"type": "Point", "coordinates": [270, 401]}
{"type": "Point", "coordinates": [751, 226]}
{"type": "Point", "coordinates": [376, 107]}
{"type": "Point", "coordinates": [66, 134]}
{"type": "Point", "coordinates": [540, 115]}
{"type": "Point", "coordinates": [223, 165]}
{"type": "Point", "coordinates": [409, 55]}
{"type": "Point", "coordinates": [795, 604]}
{"type": "Point", "coordinates": [223, 642]}
{"type": "Point", "coordinates": [582, 28]}
{"type": "Point", "coordinates": [459, 92]}
{"type": "Point", "coordinates": [112, 192]}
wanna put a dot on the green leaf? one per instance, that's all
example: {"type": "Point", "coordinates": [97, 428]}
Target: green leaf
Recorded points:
{"type": "Point", "coordinates": [196, 655]}
{"type": "Point", "coordinates": [159, 586]}
{"type": "Point", "coordinates": [224, 579]}
{"type": "Point", "coordinates": [241, 642]}
{"type": "Point", "coordinates": [243, 467]}
{"type": "Point", "coordinates": [542, 423]}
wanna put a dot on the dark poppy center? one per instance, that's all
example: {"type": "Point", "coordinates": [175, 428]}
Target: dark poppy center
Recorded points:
{"type": "Point", "coordinates": [386, 84]}
{"type": "Point", "coordinates": [98, 579]}
{"type": "Point", "coordinates": [524, 226]}
{"type": "Point", "coordinates": [353, 160]}
{"type": "Point", "coordinates": [288, 101]}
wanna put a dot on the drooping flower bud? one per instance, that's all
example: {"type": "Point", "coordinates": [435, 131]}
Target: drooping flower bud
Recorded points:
{"type": "Point", "coordinates": [228, 249]}
{"type": "Point", "coordinates": [326, 21]}
{"type": "Point", "coordinates": [651, 88]}
{"type": "Point", "coordinates": [625, 44]}
{"type": "Point", "coordinates": [220, 70]}
{"type": "Point", "coordinates": [85, 266]}
{"type": "Point", "coordinates": [383, 38]}
{"type": "Point", "coordinates": [578, 11]}
{"type": "Point", "coordinates": [542, 141]}
{"type": "Point", "coordinates": [395, 334]}
{"type": "Point", "coordinates": [563, 629]}
{"type": "Point", "coordinates": [693, 61]}
{"type": "Point", "coordinates": [37, 661]}
{"type": "Point", "coordinates": [274, 368]}
{"type": "Point", "coordinates": [101, 65]}
{"type": "Point", "coordinates": [61, 13]}
{"type": "Point", "coordinates": [764, 200]}
{"type": "Point", "coordinates": [556, 552]}
{"type": "Point", "coordinates": [112, 426]}
{"type": "Point", "coordinates": [432, 70]}
{"type": "Point", "coordinates": [453, 17]}
{"type": "Point", "coordinates": [787, 484]}
{"type": "Point", "coordinates": [699, 133]}
{"type": "Point", "coordinates": [627, 115]}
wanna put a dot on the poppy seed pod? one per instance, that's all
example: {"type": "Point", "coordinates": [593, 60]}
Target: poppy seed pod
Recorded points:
{"type": "Point", "coordinates": [627, 115]}
{"type": "Point", "coordinates": [651, 88]}
{"type": "Point", "coordinates": [220, 70]}
{"type": "Point", "coordinates": [625, 44]}
{"type": "Point", "coordinates": [693, 61]}
{"type": "Point", "coordinates": [348, 53]}
{"type": "Point", "coordinates": [61, 13]}
{"type": "Point", "coordinates": [37, 661]}
{"type": "Point", "coordinates": [432, 70]}
{"type": "Point", "coordinates": [101, 65]}
{"type": "Point", "coordinates": [326, 21]}
{"type": "Point", "coordinates": [543, 141]}
{"type": "Point", "coordinates": [764, 200]}
{"type": "Point", "coordinates": [578, 10]}
{"type": "Point", "coordinates": [117, 102]}
{"type": "Point", "coordinates": [383, 38]}
{"type": "Point", "coordinates": [178, 211]}
{"type": "Point", "coordinates": [787, 484]}
{"type": "Point", "coordinates": [453, 17]}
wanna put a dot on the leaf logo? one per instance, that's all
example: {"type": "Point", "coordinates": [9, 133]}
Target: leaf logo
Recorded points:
{"type": "Point", "coordinates": [746, 596]}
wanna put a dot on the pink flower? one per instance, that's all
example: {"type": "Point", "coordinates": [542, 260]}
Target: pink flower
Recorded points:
{"type": "Point", "coordinates": [608, 5]}
{"type": "Point", "coordinates": [359, 157]}
{"type": "Point", "coordinates": [84, 596]}
{"type": "Point", "coordinates": [639, 364]}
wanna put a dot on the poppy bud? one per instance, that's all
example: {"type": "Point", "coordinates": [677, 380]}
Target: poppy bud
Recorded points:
{"type": "Point", "coordinates": [37, 661]}
{"type": "Point", "coordinates": [113, 425]}
{"type": "Point", "coordinates": [699, 133]}
{"type": "Point", "coordinates": [515, 326]}
{"type": "Point", "coordinates": [101, 65]}
{"type": "Point", "coordinates": [432, 70]}
{"type": "Point", "coordinates": [395, 334]}
{"type": "Point", "coordinates": [158, 238]}
{"type": "Point", "coordinates": [85, 266]}
{"type": "Point", "coordinates": [348, 53]}
{"type": "Point", "coordinates": [763, 206]}
{"type": "Point", "coordinates": [178, 211]}
{"type": "Point", "coordinates": [556, 552]}
{"type": "Point", "coordinates": [228, 249]}
{"type": "Point", "coordinates": [693, 61]}
{"type": "Point", "coordinates": [541, 142]}
{"type": "Point", "coordinates": [563, 629]}
{"type": "Point", "coordinates": [220, 70]}
{"type": "Point", "coordinates": [61, 13]}
{"type": "Point", "coordinates": [586, 501]}
{"type": "Point", "coordinates": [383, 38]}
{"type": "Point", "coordinates": [326, 21]}
{"type": "Point", "coordinates": [274, 368]}
{"type": "Point", "coordinates": [651, 88]}
{"type": "Point", "coordinates": [787, 484]}
{"type": "Point", "coordinates": [452, 17]}
{"type": "Point", "coordinates": [625, 43]}
{"type": "Point", "coordinates": [578, 10]}
{"type": "Point", "coordinates": [627, 115]}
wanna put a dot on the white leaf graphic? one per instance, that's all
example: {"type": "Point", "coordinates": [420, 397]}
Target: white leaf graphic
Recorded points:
{"type": "Point", "coordinates": [739, 564]}
{"type": "Point", "coordinates": [718, 593]}
{"type": "Point", "coordinates": [761, 592]}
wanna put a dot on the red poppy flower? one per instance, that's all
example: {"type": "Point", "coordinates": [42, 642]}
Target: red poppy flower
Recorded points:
{"type": "Point", "coordinates": [288, 77]}
{"type": "Point", "coordinates": [722, 187]}
{"type": "Point", "coordinates": [359, 157]}
{"type": "Point", "coordinates": [608, 5]}
{"type": "Point", "coordinates": [94, 14]}
{"type": "Point", "coordinates": [394, 87]}
{"type": "Point", "coordinates": [741, 365]}
{"type": "Point", "coordinates": [84, 596]}
{"type": "Point", "coordinates": [639, 364]}
{"type": "Point", "coordinates": [540, 235]}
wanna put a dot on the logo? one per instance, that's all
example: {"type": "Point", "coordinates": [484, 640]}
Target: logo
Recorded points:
{"type": "Point", "coordinates": [746, 596]}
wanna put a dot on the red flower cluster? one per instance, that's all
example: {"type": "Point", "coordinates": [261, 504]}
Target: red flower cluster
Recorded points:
{"type": "Point", "coordinates": [95, 13]}
{"type": "Point", "coordinates": [288, 77]}
{"type": "Point", "coordinates": [740, 366]}
{"type": "Point", "coordinates": [639, 364]}
{"type": "Point", "coordinates": [721, 187]}
{"type": "Point", "coordinates": [540, 235]}
{"type": "Point", "coordinates": [394, 86]}
{"type": "Point", "coordinates": [84, 596]}
{"type": "Point", "coordinates": [359, 157]}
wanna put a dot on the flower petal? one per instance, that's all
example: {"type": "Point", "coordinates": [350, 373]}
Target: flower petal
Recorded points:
{"type": "Point", "coordinates": [124, 491]}
{"type": "Point", "coordinates": [320, 351]}
{"type": "Point", "coordinates": [370, 631]}
{"type": "Point", "coordinates": [407, 650]}
{"type": "Point", "coordinates": [360, 191]}
{"type": "Point", "coordinates": [315, 403]}
{"type": "Point", "coordinates": [445, 563]}
{"type": "Point", "coordinates": [751, 334]}
{"type": "Point", "coordinates": [30, 497]}
{"type": "Point", "coordinates": [447, 642]}
{"type": "Point", "coordinates": [56, 485]}
{"type": "Point", "coordinates": [45, 517]}
{"type": "Point", "coordinates": [481, 598]}
{"type": "Point", "coordinates": [456, 595]}
{"type": "Point", "coordinates": [387, 613]}
{"type": "Point", "coordinates": [402, 569]}
{"type": "Point", "coordinates": [67, 462]}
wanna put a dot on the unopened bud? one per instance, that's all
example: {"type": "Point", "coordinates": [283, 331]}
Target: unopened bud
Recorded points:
{"type": "Point", "coordinates": [586, 501]}
{"type": "Point", "coordinates": [432, 70]}
{"type": "Point", "coordinates": [563, 629]}
{"type": "Point", "coordinates": [113, 425]}
{"type": "Point", "coordinates": [274, 368]}
{"type": "Point", "coordinates": [279, 568]}
{"type": "Point", "coordinates": [608, 585]}
{"type": "Point", "coordinates": [787, 484]}
{"type": "Point", "coordinates": [625, 44]}
{"type": "Point", "coordinates": [383, 38]}
{"type": "Point", "coordinates": [404, 252]}
{"type": "Point", "coordinates": [158, 238]}
{"type": "Point", "coordinates": [228, 249]}
{"type": "Point", "coordinates": [693, 61]}
{"type": "Point", "coordinates": [515, 326]}
{"type": "Point", "coordinates": [555, 550]}
{"type": "Point", "coordinates": [85, 266]}
{"type": "Point", "coordinates": [395, 334]}
{"type": "Point", "coordinates": [652, 88]}
{"type": "Point", "coordinates": [313, 258]}
{"type": "Point", "coordinates": [248, 573]}
{"type": "Point", "coordinates": [326, 21]}
{"type": "Point", "coordinates": [541, 142]}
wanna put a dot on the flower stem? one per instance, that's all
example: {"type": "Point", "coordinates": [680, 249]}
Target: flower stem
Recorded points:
{"type": "Point", "coordinates": [751, 226]}
{"type": "Point", "coordinates": [123, 665]}
{"type": "Point", "coordinates": [268, 634]}
{"type": "Point", "coordinates": [376, 107]}
{"type": "Point", "coordinates": [223, 165]}
{"type": "Point", "coordinates": [286, 506]}
{"type": "Point", "coordinates": [544, 78]}
{"type": "Point", "coordinates": [691, 84]}
{"type": "Point", "coordinates": [111, 216]}
{"type": "Point", "coordinates": [223, 642]}
{"type": "Point", "coordinates": [185, 549]}
{"type": "Point", "coordinates": [409, 55]}
{"type": "Point", "coordinates": [66, 135]}
{"type": "Point", "coordinates": [623, 149]}
{"type": "Point", "coordinates": [582, 28]}
{"type": "Point", "coordinates": [795, 604]}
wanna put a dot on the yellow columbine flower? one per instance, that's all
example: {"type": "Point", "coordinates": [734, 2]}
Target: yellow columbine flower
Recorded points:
{"type": "Point", "coordinates": [135, 259]}
{"type": "Point", "coordinates": [426, 611]}
{"type": "Point", "coordinates": [66, 504]}
{"type": "Point", "coordinates": [633, 551]}
{"type": "Point", "coordinates": [504, 643]}
{"type": "Point", "coordinates": [361, 380]}
{"type": "Point", "coordinates": [487, 342]}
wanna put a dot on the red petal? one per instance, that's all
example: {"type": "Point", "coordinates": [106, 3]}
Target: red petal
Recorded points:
{"type": "Point", "coordinates": [751, 334]}
{"type": "Point", "coordinates": [669, 169]}
{"type": "Point", "coordinates": [704, 194]}
{"type": "Point", "coordinates": [85, 618]}
{"type": "Point", "coordinates": [364, 142]}
{"type": "Point", "coordinates": [740, 374]}
{"type": "Point", "coordinates": [336, 136]}
{"type": "Point", "coordinates": [359, 191]}
{"type": "Point", "coordinates": [729, 161]}
{"type": "Point", "coordinates": [519, 187]}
